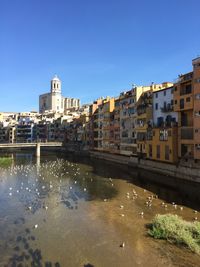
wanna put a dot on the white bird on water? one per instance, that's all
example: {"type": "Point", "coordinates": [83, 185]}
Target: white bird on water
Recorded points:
{"type": "Point", "coordinates": [122, 245]}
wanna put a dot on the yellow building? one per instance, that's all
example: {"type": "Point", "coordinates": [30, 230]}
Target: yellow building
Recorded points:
{"type": "Point", "coordinates": [163, 146]}
{"type": "Point", "coordinates": [144, 119]}
{"type": "Point", "coordinates": [107, 110]}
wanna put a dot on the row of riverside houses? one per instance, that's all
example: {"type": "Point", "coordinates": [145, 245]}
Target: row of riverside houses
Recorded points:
{"type": "Point", "coordinates": [159, 122]}
{"type": "Point", "coordinates": [32, 126]}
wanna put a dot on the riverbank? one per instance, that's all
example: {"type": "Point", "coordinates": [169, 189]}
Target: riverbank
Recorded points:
{"type": "Point", "coordinates": [183, 172]}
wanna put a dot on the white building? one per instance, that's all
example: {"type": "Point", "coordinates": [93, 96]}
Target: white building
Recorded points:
{"type": "Point", "coordinates": [163, 114]}
{"type": "Point", "coordinates": [52, 101]}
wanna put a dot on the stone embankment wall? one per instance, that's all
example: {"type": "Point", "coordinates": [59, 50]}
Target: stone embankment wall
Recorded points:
{"type": "Point", "coordinates": [183, 172]}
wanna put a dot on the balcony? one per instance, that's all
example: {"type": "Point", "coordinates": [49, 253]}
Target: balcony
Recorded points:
{"type": "Point", "coordinates": [167, 108]}
{"type": "Point", "coordinates": [186, 89]}
{"type": "Point", "coordinates": [185, 78]}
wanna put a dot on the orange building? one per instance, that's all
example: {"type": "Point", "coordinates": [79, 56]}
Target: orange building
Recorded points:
{"type": "Point", "coordinates": [187, 104]}
{"type": "Point", "coordinates": [196, 87]}
{"type": "Point", "coordinates": [115, 128]}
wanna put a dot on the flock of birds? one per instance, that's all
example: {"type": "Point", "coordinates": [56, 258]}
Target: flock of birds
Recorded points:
{"type": "Point", "coordinates": [34, 182]}
{"type": "Point", "coordinates": [37, 181]}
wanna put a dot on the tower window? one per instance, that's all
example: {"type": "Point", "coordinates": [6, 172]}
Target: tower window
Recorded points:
{"type": "Point", "coordinates": [57, 85]}
{"type": "Point", "coordinates": [54, 85]}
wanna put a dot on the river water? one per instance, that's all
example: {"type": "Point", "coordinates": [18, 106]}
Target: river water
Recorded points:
{"type": "Point", "coordinates": [64, 211]}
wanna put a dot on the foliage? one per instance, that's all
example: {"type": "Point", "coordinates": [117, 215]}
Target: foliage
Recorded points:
{"type": "Point", "coordinates": [176, 230]}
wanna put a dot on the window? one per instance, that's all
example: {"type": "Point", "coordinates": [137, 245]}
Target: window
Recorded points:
{"type": "Point", "coordinates": [197, 80]}
{"type": "Point", "coordinates": [156, 95]}
{"type": "Point", "coordinates": [158, 151]}
{"type": "Point", "coordinates": [197, 96]}
{"type": "Point", "coordinates": [163, 135]}
{"type": "Point", "coordinates": [175, 102]}
{"type": "Point", "coordinates": [188, 89]}
{"type": "Point", "coordinates": [188, 99]}
{"type": "Point", "coordinates": [181, 103]}
{"type": "Point", "coordinates": [175, 88]}
{"type": "Point", "coordinates": [167, 152]}
{"type": "Point", "coordinates": [196, 130]}
{"type": "Point", "coordinates": [164, 93]}
{"type": "Point", "coordinates": [196, 65]}
{"type": "Point", "coordinates": [156, 106]}
{"type": "Point", "coordinates": [150, 150]}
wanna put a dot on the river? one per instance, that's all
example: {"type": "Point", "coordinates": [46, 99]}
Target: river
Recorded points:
{"type": "Point", "coordinates": [69, 211]}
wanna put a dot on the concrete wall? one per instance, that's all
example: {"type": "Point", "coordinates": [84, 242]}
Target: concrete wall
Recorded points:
{"type": "Point", "coordinates": [186, 173]}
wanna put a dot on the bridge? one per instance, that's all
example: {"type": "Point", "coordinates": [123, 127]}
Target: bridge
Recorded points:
{"type": "Point", "coordinates": [36, 145]}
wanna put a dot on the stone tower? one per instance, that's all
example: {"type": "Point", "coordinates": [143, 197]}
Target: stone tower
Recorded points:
{"type": "Point", "coordinates": [56, 85]}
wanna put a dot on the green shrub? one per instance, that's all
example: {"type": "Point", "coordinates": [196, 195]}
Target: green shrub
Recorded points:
{"type": "Point", "coordinates": [174, 229]}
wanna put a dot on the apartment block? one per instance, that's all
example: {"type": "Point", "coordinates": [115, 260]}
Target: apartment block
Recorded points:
{"type": "Point", "coordinates": [144, 120]}
{"type": "Point", "coordinates": [163, 145]}
{"type": "Point", "coordinates": [25, 133]}
{"type": "Point", "coordinates": [187, 104]}
{"type": "Point", "coordinates": [196, 114]}
{"type": "Point", "coordinates": [93, 124]}
{"type": "Point", "coordinates": [3, 134]}
{"type": "Point", "coordinates": [115, 128]}
{"type": "Point", "coordinates": [107, 123]}
{"type": "Point", "coordinates": [127, 110]}
{"type": "Point", "coordinates": [162, 138]}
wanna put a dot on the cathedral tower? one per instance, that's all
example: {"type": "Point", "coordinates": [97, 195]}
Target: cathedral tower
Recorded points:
{"type": "Point", "coordinates": [56, 85]}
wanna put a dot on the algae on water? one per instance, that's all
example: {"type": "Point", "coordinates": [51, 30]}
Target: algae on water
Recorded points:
{"type": "Point", "coordinates": [5, 161]}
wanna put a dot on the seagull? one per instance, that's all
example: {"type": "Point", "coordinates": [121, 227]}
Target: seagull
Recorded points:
{"type": "Point", "coordinates": [122, 245]}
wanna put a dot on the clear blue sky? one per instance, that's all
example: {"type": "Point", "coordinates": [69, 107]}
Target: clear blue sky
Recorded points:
{"type": "Point", "coordinates": [96, 47]}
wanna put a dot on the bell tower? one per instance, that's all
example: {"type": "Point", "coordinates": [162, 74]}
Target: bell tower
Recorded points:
{"type": "Point", "coordinates": [56, 85]}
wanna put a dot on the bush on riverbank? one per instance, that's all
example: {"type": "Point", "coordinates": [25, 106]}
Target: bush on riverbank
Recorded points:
{"type": "Point", "coordinates": [176, 230]}
{"type": "Point", "coordinates": [5, 161]}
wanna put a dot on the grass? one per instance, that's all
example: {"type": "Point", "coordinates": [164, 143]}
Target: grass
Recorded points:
{"type": "Point", "coordinates": [5, 161]}
{"type": "Point", "coordinates": [176, 230]}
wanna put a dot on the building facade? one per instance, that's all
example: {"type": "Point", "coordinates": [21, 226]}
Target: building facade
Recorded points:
{"type": "Point", "coordinates": [52, 101]}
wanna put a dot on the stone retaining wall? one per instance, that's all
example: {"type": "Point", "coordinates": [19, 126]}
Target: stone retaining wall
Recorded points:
{"type": "Point", "coordinates": [187, 173]}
